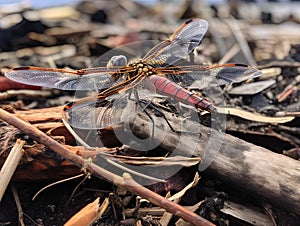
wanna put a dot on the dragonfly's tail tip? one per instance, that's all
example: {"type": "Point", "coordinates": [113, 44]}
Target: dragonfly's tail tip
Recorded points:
{"type": "Point", "coordinates": [212, 108]}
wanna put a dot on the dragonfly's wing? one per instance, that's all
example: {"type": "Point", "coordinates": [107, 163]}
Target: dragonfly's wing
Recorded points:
{"type": "Point", "coordinates": [235, 73]}
{"type": "Point", "coordinates": [85, 79]}
{"type": "Point", "coordinates": [98, 113]}
{"type": "Point", "coordinates": [187, 37]}
{"type": "Point", "coordinates": [112, 106]}
{"type": "Point", "coordinates": [197, 76]}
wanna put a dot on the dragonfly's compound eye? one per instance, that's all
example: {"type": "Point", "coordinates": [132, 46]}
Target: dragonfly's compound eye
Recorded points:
{"type": "Point", "coordinates": [119, 60]}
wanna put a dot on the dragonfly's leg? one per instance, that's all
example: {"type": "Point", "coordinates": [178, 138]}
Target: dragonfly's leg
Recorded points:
{"type": "Point", "coordinates": [161, 114]}
{"type": "Point", "coordinates": [136, 95]}
{"type": "Point", "coordinates": [140, 102]}
{"type": "Point", "coordinates": [152, 120]}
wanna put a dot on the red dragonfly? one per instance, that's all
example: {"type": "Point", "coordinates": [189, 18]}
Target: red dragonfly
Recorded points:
{"type": "Point", "coordinates": [155, 72]}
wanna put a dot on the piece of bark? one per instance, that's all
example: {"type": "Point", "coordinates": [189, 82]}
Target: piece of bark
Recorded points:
{"type": "Point", "coordinates": [247, 213]}
{"type": "Point", "coordinates": [49, 119]}
{"type": "Point", "coordinates": [40, 115]}
{"type": "Point", "coordinates": [39, 163]}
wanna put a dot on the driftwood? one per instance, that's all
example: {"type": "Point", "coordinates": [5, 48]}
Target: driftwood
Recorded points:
{"type": "Point", "coordinates": [271, 176]}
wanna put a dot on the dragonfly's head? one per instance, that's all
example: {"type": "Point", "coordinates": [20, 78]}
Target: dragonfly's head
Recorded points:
{"type": "Point", "coordinates": [119, 61]}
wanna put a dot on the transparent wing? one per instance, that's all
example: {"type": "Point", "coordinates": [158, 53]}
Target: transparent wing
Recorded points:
{"type": "Point", "coordinates": [197, 76]}
{"type": "Point", "coordinates": [98, 113]}
{"type": "Point", "coordinates": [113, 106]}
{"type": "Point", "coordinates": [183, 41]}
{"type": "Point", "coordinates": [235, 73]}
{"type": "Point", "coordinates": [86, 79]}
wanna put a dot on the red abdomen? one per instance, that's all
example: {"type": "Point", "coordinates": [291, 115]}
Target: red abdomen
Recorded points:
{"type": "Point", "coordinates": [166, 87]}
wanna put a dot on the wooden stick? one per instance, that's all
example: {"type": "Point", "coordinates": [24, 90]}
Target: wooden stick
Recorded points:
{"type": "Point", "coordinates": [10, 166]}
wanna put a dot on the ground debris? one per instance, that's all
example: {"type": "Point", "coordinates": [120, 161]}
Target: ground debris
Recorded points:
{"type": "Point", "coordinates": [264, 111]}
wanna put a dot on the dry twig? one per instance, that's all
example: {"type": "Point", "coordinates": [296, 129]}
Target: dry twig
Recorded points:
{"type": "Point", "coordinates": [18, 204]}
{"type": "Point", "coordinates": [10, 165]}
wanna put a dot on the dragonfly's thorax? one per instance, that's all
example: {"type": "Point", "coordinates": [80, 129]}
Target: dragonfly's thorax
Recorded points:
{"type": "Point", "coordinates": [141, 68]}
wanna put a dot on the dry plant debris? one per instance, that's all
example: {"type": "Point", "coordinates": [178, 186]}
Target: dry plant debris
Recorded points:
{"type": "Point", "coordinates": [245, 184]}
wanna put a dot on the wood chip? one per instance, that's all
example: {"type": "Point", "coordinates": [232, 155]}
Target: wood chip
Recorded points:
{"type": "Point", "coordinates": [247, 213]}
{"type": "Point", "coordinates": [254, 116]}
{"type": "Point", "coordinates": [89, 214]}
{"type": "Point", "coordinates": [252, 88]}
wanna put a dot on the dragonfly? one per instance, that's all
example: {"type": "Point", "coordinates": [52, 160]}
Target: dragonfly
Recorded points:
{"type": "Point", "coordinates": [120, 82]}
